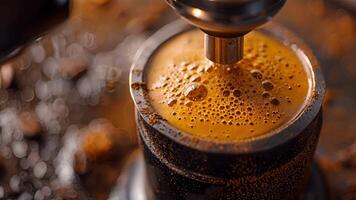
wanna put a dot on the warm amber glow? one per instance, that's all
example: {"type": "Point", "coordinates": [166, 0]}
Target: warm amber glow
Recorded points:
{"type": "Point", "coordinates": [229, 103]}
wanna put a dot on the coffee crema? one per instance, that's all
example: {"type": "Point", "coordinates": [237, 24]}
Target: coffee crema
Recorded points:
{"type": "Point", "coordinates": [228, 103]}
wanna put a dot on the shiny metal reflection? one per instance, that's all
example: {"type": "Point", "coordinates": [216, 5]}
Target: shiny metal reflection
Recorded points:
{"type": "Point", "coordinates": [223, 50]}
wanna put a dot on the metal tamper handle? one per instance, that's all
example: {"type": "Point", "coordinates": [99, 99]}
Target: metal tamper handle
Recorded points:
{"type": "Point", "coordinates": [225, 22]}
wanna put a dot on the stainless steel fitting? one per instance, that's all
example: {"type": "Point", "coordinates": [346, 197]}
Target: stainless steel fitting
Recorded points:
{"type": "Point", "coordinates": [225, 22]}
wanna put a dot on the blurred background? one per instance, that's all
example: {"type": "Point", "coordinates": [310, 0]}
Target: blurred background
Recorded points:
{"type": "Point", "coordinates": [67, 120]}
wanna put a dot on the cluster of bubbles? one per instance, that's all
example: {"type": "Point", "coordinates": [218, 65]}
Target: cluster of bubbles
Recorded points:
{"type": "Point", "coordinates": [243, 95]}
{"type": "Point", "coordinates": [229, 103]}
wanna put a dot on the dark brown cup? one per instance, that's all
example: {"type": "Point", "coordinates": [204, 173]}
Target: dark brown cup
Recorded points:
{"type": "Point", "coordinates": [273, 166]}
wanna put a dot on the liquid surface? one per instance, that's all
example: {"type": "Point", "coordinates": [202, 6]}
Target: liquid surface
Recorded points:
{"type": "Point", "coordinates": [226, 103]}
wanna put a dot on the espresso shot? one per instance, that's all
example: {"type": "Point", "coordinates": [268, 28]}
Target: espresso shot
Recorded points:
{"type": "Point", "coordinates": [241, 131]}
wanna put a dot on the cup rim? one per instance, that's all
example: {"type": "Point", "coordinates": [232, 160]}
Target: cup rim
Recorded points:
{"type": "Point", "coordinates": [274, 138]}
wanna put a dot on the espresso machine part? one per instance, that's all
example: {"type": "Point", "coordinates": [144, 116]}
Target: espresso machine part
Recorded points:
{"type": "Point", "coordinates": [22, 21]}
{"type": "Point", "coordinates": [225, 22]}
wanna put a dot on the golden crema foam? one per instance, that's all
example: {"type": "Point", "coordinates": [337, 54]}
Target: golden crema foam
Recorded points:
{"type": "Point", "coordinates": [226, 103]}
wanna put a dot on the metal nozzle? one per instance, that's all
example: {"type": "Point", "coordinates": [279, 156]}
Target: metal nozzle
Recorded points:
{"type": "Point", "coordinates": [225, 22]}
{"type": "Point", "coordinates": [223, 50]}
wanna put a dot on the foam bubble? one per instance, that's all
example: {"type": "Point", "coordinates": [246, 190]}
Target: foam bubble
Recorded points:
{"type": "Point", "coordinates": [267, 85]}
{"type": "Point", "coordinates": [195, 92]}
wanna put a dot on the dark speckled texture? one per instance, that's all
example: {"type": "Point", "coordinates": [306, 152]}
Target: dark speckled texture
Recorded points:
{"type": "Point", "coordinates": [178, 172]}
